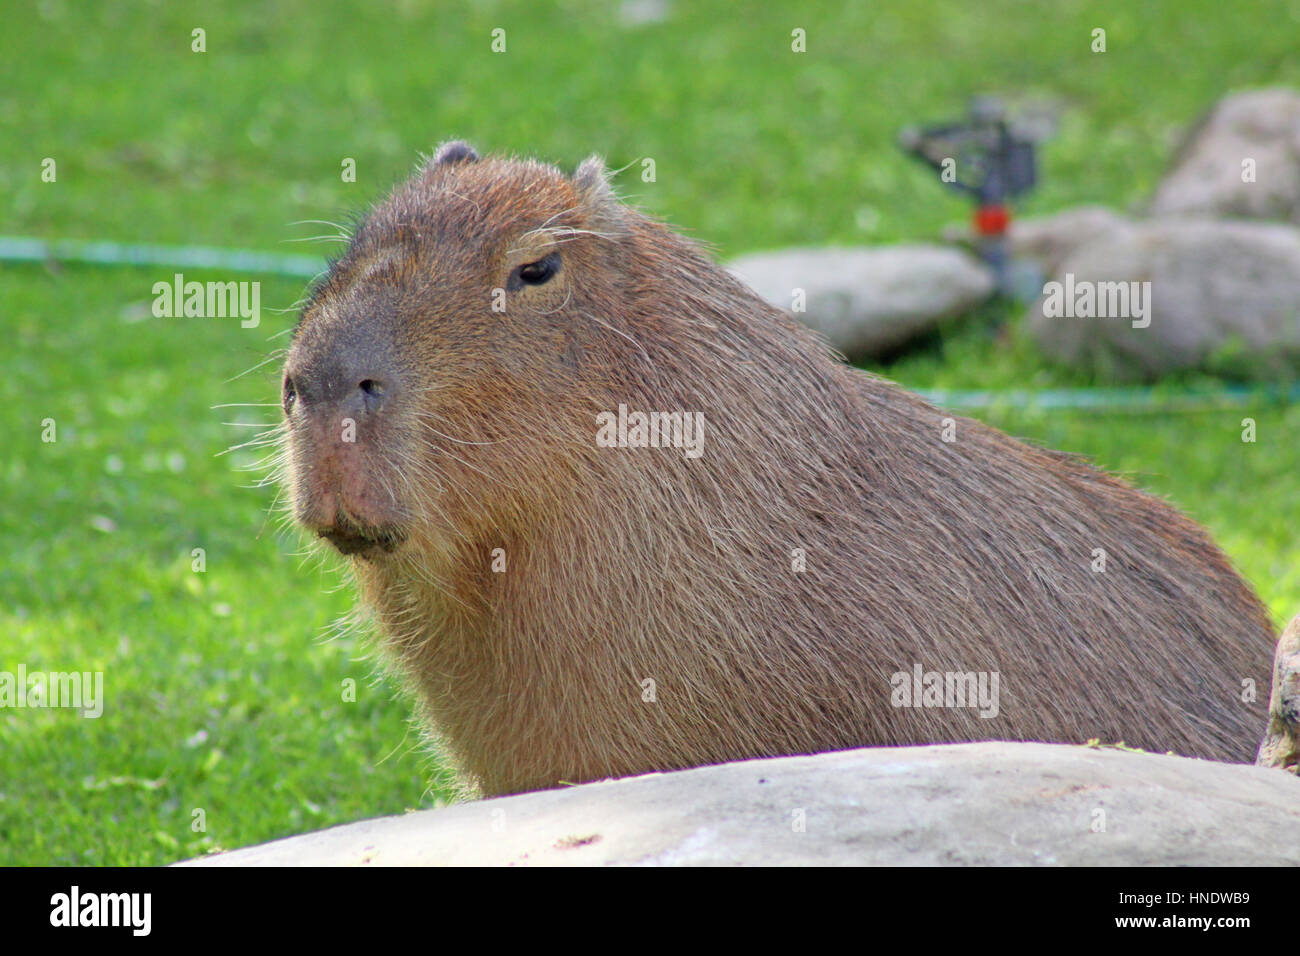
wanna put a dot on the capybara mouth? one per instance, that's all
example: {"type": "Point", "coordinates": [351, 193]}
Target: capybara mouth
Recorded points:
{"type": "Point", "coordinates": [352, 539]}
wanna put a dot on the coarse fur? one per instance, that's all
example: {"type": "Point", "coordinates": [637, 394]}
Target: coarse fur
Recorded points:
{"type": "Point", "coordinates": [649, 615]}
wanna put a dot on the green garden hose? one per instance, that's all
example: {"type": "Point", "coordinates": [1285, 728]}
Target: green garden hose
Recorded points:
{"type": "Point", "coordinates": [1136, 399]}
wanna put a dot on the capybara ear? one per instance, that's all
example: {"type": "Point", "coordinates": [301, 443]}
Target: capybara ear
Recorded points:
{"type": "Point", "coordinates": [454, 151]}
{"type": "Point", "coordinates": [591, 180]}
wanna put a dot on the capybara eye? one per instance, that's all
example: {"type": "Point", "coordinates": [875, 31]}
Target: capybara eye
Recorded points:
{"type": "Point", "coordinates": [539, 272]}
{"type": "Point", "coordinates": [290, 394]}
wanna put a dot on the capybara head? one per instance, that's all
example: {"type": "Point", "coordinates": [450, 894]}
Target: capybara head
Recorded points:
{"type": "Point", "coordinates": [466, 308]}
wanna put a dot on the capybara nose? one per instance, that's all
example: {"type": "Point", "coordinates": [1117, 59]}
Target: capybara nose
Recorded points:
{"type": "Point", "coordinates": [337, 390]}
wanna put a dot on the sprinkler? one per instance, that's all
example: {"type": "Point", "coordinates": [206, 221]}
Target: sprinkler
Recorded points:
{"type": "Point", "coordinates": [989, 158]}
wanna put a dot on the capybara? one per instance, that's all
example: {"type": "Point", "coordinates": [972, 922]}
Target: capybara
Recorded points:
{"type": "Point", "coordinates": [794, 557]}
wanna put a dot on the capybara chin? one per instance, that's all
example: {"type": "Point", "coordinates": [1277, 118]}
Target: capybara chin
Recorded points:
{"type": "Point", "coordinates": [569, 611]}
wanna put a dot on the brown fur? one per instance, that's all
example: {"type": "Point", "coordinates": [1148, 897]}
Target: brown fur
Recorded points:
{"type": "Point", "coordinates": [627, 564]}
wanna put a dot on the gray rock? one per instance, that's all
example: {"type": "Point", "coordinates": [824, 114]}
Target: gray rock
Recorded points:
{"type": "Point", "coordinates": [1049, 240]}
{"type": "Point", "coordinates": [635, 13]}
{"type": "Point", "coordinates": [1281, 744]}
{"type": "Point", "coordinates": [971, 804]}
{"type": "Point", "coordinates": [1206, 179]}
{"type": "Point", "coordinates": [1221, 292]}
{"type": "Point", "coordinates": [869, 301]}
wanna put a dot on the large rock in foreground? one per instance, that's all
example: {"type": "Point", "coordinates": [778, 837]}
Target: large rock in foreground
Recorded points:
{"type": "Point", "coordinates": [969, 804]}
{"type": "Point", "coordinates": [869, 301]}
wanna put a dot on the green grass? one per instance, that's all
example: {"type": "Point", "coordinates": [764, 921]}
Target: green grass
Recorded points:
{"type": "Point", "coordinates": [222, 693]}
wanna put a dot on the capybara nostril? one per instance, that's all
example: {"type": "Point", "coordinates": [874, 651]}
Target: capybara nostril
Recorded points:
{"type": "Point", "coordinates": [367, 398]}
{"type": "Point", "coordinates": [329, 387]}
{"type": "Point", "coordinates": [290, 394]}
{"type": "Point", "coordinates": [374, 392]}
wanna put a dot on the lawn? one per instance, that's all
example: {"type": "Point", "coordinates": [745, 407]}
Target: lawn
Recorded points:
{"type": "Point", "coordinates": [226, 688]}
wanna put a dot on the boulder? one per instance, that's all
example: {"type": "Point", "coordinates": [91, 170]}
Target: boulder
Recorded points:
{"type": "Point", "coordinates": [982, 804]}
{"type": "Point", "coordinates": [1281, 744]}
{"type": "Point", "coordinates": [1223, 295]}
{"type": "Point", "coordinates": [869, 301]}
{"type": "Point", "coordinates": [1049, 240]}
{"type": "Point", "coordinates": [1207, 176]}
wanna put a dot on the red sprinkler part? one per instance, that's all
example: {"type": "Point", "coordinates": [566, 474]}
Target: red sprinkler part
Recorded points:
{"type": "Point", "coordinates": [991, 220]}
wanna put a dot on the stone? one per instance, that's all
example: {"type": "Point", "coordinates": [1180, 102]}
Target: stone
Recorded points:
{"type": "Point", "coordinates": [983, 804]}
{"type": "Point", "coordinates": [1281, 745]}
{"type": "Point", "coordinates": [1241, 161]}
{"type": "Point", "coordinates": [1049, 240]}
{"type": "Point", "coordinates": [869, 301]}
{"type": "Point", "coordinates": [1223, 295]}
